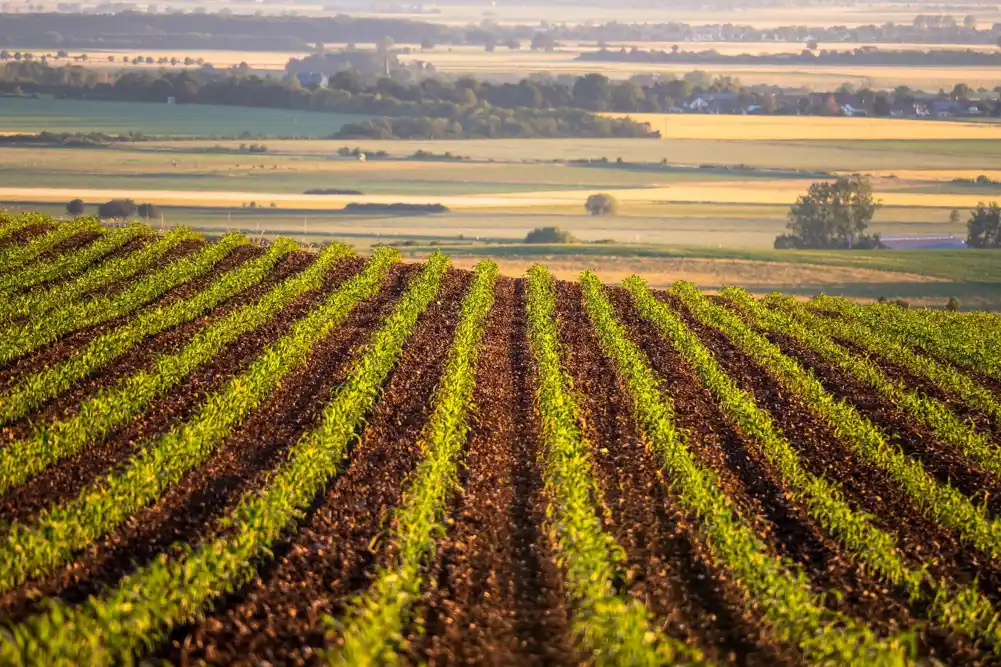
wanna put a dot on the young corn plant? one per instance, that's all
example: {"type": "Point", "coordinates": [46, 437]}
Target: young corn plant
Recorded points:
{"type": "Point", "coordinates": [881, 344]}
{"type": "Point", "coordinates": [17, 341]}
{"type": "Point", "coordinates": [13, 258]}
{"type": "Point", "coordinates": [72, 262]}
{"type": "Point", "coordinates": [934, 414]}
{"type": "Point", "coordinates": [99, 415]}
{"type": "Point", "coordinates": [113, 627]}
{"type": "Point", "coordinates": [972, 614]}
{"type": "Point", "coordinates": [939, 502]}
{"type": "Point", "coordinates": [779, 591]}
{"type": "Point", "coordinates": [973, 348]}
{"type": "Point", "coordinates": [613, 628]}
{"type": "Point", "coordinates": [373, 631]}
{"type": "Point", "coordinates": [33, 390]}
{"type": "Point", "coordinates": [57, 532]}
{"type": "Point", "coordinates": [40, 301]}
{"type": "Point", "coordinates": [10, 225]}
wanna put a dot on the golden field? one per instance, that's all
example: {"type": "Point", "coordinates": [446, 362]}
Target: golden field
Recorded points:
{"type": "Point", "coordinates": [811, 128]}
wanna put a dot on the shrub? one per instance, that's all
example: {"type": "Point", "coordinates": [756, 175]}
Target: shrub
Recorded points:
{"type": "Point", "coordinates": [116, 208]}
{"type": "Point", "coordinates": [602, 204]}
{"type": "Point", "coordinates": [549, 235]}
{"type": "Point", "coordinates": [953, 304]}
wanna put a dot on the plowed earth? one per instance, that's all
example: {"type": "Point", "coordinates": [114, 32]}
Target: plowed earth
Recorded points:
{"type": "Point", "coordinates": [495, 595]}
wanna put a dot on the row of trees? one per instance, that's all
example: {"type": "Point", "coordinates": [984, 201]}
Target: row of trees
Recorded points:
{"type": "Point", "coordinates": [116, 209]}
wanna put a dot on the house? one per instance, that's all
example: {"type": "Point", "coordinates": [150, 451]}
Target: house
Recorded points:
{"type": "Point", "coordinates": [307, 79]}
{"type": "Point", "coordinates": [924, 242]}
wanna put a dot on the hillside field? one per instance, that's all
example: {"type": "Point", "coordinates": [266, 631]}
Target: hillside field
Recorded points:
{"type": "Point", "coordinates": [223, 450]}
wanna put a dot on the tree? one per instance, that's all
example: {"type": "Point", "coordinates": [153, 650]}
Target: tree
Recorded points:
{"type": "Point", "coordinates": [602, 204]}
{"type": "Point", "coordinates": [76, 207]}
{"type": "Point", "coordinates": [833, 215]}
{"type": "Point", "coordinates": [549, 235]}
{"type": "Point", "coordinates": [961, 91]}
{"type": "Point", "coordinates": [984, 227]}
{"type": "Point", "coordinates": [970, 22]}
{"type": "Point", "coordinates": [148, 211]}
{"type": "Point", "coordinates": [116, 208]}
{"type": "Point", "coordinates": [953, 304]}
{"type": "Point", "coordinates": [427, 44]}
{"type": "Point", "coordinates": [812, 45]}
{"type": "Point", "coordinates": [954, 217]}
{"type": "Point", "coordinates": [543, 41]}
{"type": "Point", "coordinates": [385, 45]}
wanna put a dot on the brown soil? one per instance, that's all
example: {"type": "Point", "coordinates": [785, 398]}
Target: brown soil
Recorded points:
{"type": "Point", "coordinates": [871, 490]}
{"type": "Point", "coordinates": [498, 597]}
{"type": "Point", "coordinates": [189, 509]}
{"type": "Point", "coordinates": [672, 573]}
{"type": "Point", "coordinates": [278, 617]}
{"type": "Point", "coordinates": [64, 481]}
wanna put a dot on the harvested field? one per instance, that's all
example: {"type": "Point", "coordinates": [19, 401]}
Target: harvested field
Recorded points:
{"type": "Point", "coordinates": [254, 454]}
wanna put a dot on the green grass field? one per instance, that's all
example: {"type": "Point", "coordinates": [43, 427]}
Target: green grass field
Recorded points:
{"type": "Point", "coordinates": [37, 115]}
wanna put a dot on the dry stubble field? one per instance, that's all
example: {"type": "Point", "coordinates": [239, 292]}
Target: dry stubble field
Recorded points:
{"type": "Point", "coordinates": [226, 452]}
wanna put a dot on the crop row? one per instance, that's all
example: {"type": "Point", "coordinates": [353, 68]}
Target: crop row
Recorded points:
{"type": "Point", "coordinates": [613, 628]}
{"type": "Point", "coordinates": [939, 502]}
{"type": "Point", "coordinates": [373, 631]}
{"type": "Point", "coordinates": [110, 628]}
{"type": "Point", "coordinates": [110, 408]}
{"type": "Point", "coordinates": [964, 610]}
{"type": "Point", "coordinates": [974, 348]}
{"type": "Point", "coordinates": [18, 340]}
{"type": "Point", "coordinates": [10, 225]}
{"type": "Point", "coordinates": [33, 390]}
{"type": "Point", "coordinates": [16, 256]}
{"type": "Point", "coordinates": [72, 262]}
{"type": "Point", "coordinates": [38, 302]}
{"type": "Point", "coordinates": [931, 412]}
{"type": "Point", "coordinates": [780, 592]}
{"type": "Point", "coordinates": [60, 531]}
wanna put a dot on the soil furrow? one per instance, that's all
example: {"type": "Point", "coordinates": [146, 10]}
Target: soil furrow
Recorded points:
{"type": "Point", "coordinates": [671, 571]}
{"type": "Point", "coordinates": [69, 245]}
{"type": "Point", "coordinates": [189, 509]}
{"type": "Point", "coordinates": [173, 340]}
{"type": "Point", "coordinates": [947, 464]}
{"type": "Point", "coordinates": [24, 235]}
{"type": "Point", "coordinates": [65, 480]}
{"type": "Point", "coordinates": [54, 352]}
{"type": "Point", "coordinates": [277, 617]}
{"type": "Point", "coordinates": [498, 598]}
{"type": "Point", "coordinates": [869, 489]}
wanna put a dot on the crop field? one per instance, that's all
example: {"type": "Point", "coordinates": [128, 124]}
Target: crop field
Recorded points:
{"type": "Point", "coordinates": [219, 452]}
{"type": "Point", "coordinates": [29, 115]}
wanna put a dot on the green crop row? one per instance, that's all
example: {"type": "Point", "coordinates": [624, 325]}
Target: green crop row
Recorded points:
{"type": "Point", "coordinates": [110, 408]}
{"type": "Point", "coordinates": [33, 390]}
{"type": "Point", "coordinates": [373, 631]}
{"type": "Point", "coordinates": [72, 262]}
{"type": "Point", "coordinates": [939, 502]}
{"type": "Point", "coordinates": [18, 340]}
{"type": "Point", "coordinates": [14, 257]}
{"type": "Point", "coordinates": [59, 531]}
{"type": "Point", "coordinates": [974, 348]}
{"type": "Point", "coordinates": [970, 612]}
{"type": "Point", "coordinates": [931, 412]}
{"type": "Point", "coordinates": [779, 591]}
{"type": "Point", "coordinates": [111, 628]}
{"type": "Point", "coordinates": [881, 344]}
{"type": "Point", "coordinates": [10, 225]}
{"type": "Point", "coordinates": [613, 628]}
{"type": "Point", "coordinates": [35, 304]}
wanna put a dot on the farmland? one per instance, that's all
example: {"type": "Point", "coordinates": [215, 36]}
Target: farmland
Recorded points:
{"type": "Point", "coordinates": [222, 450]}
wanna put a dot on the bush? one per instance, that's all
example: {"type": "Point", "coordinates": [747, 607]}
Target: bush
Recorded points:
{"type": "Point", "coordinates": [148, 211]}
{"type": "Point", "coordinates": [953, 304]}
{"type": "Point", "coordinates": [550, 235]}
{"type": "Point", "coordinates": [602, 204]}
{"type": "Point", "coordinates": [76, 207]}
{"type": "Point", "coordinates": [116, 208]}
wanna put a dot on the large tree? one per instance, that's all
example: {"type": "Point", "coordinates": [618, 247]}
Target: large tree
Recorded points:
{"type": "Point", "coordinates": [76, 207]}
{"type": "Point", "coordinates": [833, 215]}
{"type": "Point", "coordinates": [984, 227]}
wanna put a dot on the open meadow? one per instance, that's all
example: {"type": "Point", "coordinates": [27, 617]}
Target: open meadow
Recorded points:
{"type": "Point", "coordinates": [222, 450]}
